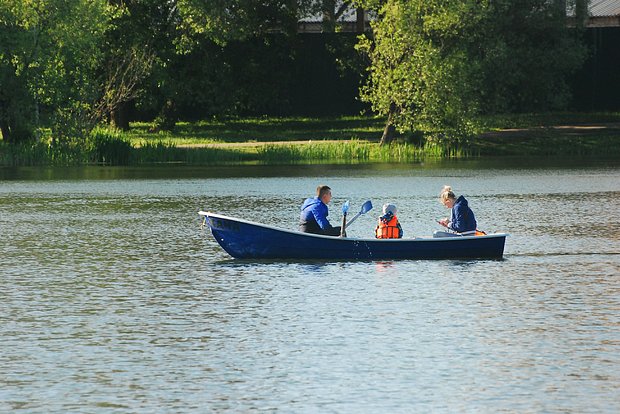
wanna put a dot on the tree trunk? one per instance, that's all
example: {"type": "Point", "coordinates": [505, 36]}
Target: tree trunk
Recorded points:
{"type": "Point", "coordinates": [581, 12]}
{"type": "Point", "coordinates": [13, 132]}
{"type": "Point", "coordinates": [5, 116]}
{"type": "Point", "coordinates": [360, 22]}
{"type": "Point", "coordinates": [389, 130]}
{"type": "Point", "coordinates": [329, 16]}
{"type": "Point", "coordinates": [167, 118]}
{"type": "Point", "coordinates": [119, 118]}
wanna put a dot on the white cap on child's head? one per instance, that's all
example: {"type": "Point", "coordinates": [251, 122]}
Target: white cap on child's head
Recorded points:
{"type": "Point", "coordinates": [389, 208]}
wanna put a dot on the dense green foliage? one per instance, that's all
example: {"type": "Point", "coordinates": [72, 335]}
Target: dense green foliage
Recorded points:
{"type": "Point", "coordinates": [67, 64]}
{"type": "Point", "coordinates": [436, 65]}
{"type": "Point", "coordinates": [271, 74]}
{"type": "Point", "coordinates": [50, 52]}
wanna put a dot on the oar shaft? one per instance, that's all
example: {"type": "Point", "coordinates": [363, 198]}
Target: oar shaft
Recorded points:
{"type": "Point", "coordinates": [366, 207]}
{"type": "Point", "coordinates": [353, 219]}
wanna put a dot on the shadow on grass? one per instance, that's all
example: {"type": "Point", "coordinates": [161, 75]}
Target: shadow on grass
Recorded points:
{"type": "Point", "coordinates": [549, 143]}
{"type": "Point", "coordinates": [265, 130]}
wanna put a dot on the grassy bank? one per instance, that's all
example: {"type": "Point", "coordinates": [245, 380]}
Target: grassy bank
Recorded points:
{"type": "Point", "coordinates": [260, 130]}
{"type": "Point", "coordinates": [324, 140]}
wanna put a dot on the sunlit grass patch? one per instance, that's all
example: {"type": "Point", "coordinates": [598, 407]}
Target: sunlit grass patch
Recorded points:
{"type": "Point", "coordinates": [353, 152]}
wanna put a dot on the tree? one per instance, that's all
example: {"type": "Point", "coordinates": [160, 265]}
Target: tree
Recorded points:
{"type": "Point", "coordinates": [420, 77]}
{"type": "Point", "coordinates": [49, 55]}
{"type": "Point", "coordinates": [17, 106]}
{"type": "Point", "coordinates": [527, 53]}
{"type": "Point", "coordinates": [332, 10]}
{"type": "Point", "coordinates": [123, 73]}
{"type": "Point", "coordinates": [437, 64]}
{"type": "Point", "coordinates": [188, 55]}
{"type": "Point", "coordinates": [130, 42]}
{"type": "Point", "coordinates": [200, 27]}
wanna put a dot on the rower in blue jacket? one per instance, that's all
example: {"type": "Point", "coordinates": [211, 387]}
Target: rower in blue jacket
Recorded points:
{"type": "Point", "coordinates": [314, 211]}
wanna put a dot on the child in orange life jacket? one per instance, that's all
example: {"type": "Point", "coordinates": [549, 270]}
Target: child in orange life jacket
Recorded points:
{"type": "Point", "coordinates": [388, 227]}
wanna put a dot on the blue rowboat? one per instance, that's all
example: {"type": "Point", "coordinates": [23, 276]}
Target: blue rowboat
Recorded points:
{"type": "Point", "coordinates": [244, 239]}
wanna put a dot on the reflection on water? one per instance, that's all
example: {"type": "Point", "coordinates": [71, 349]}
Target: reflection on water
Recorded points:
{"type": "Point", "coordinates": [113, 298]}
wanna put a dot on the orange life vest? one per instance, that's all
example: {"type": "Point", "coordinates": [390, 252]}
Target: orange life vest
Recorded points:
{"type": "Point", "coordinates": [388, 230]}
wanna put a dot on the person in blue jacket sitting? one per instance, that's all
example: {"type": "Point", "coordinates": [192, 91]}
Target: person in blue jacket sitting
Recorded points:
{"type": "Point", "coordinates": [314, 211]}
{"type": "Point", "coordinates": [462, 219]}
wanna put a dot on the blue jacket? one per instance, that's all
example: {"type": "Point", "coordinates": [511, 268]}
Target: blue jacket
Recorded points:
{"type": "Point", "coordinates": [313, 218]}
{"type": "Point", "coordinates": [462, 218]}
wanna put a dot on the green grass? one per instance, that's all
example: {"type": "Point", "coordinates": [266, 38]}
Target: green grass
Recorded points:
{"type": "Point", "coordinates": [497, 122]}
{"type": "Point", "coordinates": [40, 153]}
{"type": "Point", "coordinates": [550, 145]}
{"type": "Point", "coordinates": [538, 135]}
{"type": "Point", "coordinates": [324, 140]}
{"type": "Point", "coordinates": [353, 152]}
{"type": "Point", "coordinates": [169, 153]}
{"type": "Point", "coordinates": [234, 130]}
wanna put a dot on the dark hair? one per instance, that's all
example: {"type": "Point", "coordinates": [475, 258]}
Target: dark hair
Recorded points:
{"type": "Point", "coordinates": [322, 190]}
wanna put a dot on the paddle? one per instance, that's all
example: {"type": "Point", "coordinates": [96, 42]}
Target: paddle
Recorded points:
{"type": "Point", "coordinates": [345, 208]}
{"type": "Point", "coordinates": [366, 207]}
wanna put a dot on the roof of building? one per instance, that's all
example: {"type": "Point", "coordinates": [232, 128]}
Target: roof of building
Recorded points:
{"type": "Point", "coordinates": [604, 8]}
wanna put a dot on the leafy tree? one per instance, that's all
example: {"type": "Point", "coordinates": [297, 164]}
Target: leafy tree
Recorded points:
{"type": "Point", "coordinates": [18, 112]}
{"type": "Point", "coordinates": [198, 32]}
{"type": "Point", "coordinates": [225, 20]}
{"type": "Point", "coordinates": [16, 103]}
{"type": "Point", "coordinates": [49, 54]}
{"type": "Point", "coordinates": [130, 42]}
{"type": "Point", "coordinates": [420, 74]}
{"type": "Point", "coordinates": [437, 64]}
{"type": "Point", "coordinates": [527, 54]}
{"type": "Point", "coordinates": [332, 10]}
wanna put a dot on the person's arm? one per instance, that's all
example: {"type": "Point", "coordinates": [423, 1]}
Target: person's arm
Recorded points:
{"type": "Point", "coordinates": [458, 221]}
{"type": "Point", "coordinates": [320, 215]}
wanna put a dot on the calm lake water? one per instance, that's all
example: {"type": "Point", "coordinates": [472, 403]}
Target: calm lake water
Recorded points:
{"type": "Point", "coordinates": [112, 299]}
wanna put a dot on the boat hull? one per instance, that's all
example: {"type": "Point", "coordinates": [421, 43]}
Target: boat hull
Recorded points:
{"type": "Point", "coordinates": [244, 239]}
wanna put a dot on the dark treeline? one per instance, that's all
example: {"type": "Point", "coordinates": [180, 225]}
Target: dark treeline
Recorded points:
{"type": "Point", "coordinates": [274, 75]}
{"type": "Point", "coordinates": [319, 74]}
{"type": "Point", "coordinates": [596, 85]}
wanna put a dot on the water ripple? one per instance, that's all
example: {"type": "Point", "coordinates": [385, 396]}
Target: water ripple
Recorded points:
{"type": "Point", "coordinates": [112, 299]}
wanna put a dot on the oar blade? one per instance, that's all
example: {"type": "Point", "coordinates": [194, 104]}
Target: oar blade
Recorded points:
{"type": "Point", "coordinates": [345, 207]}
{"type": "Point", "coordinates": [366, 207]}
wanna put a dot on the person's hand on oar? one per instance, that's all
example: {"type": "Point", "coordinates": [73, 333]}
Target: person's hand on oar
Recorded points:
{"type": "Point", "coordinates": [345, 208]}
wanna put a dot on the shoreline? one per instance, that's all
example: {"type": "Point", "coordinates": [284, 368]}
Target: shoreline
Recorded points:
{"type": "Point", "coordinates": [347, 142]}
{"type": "Point", "coordinates": [560, 131]}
